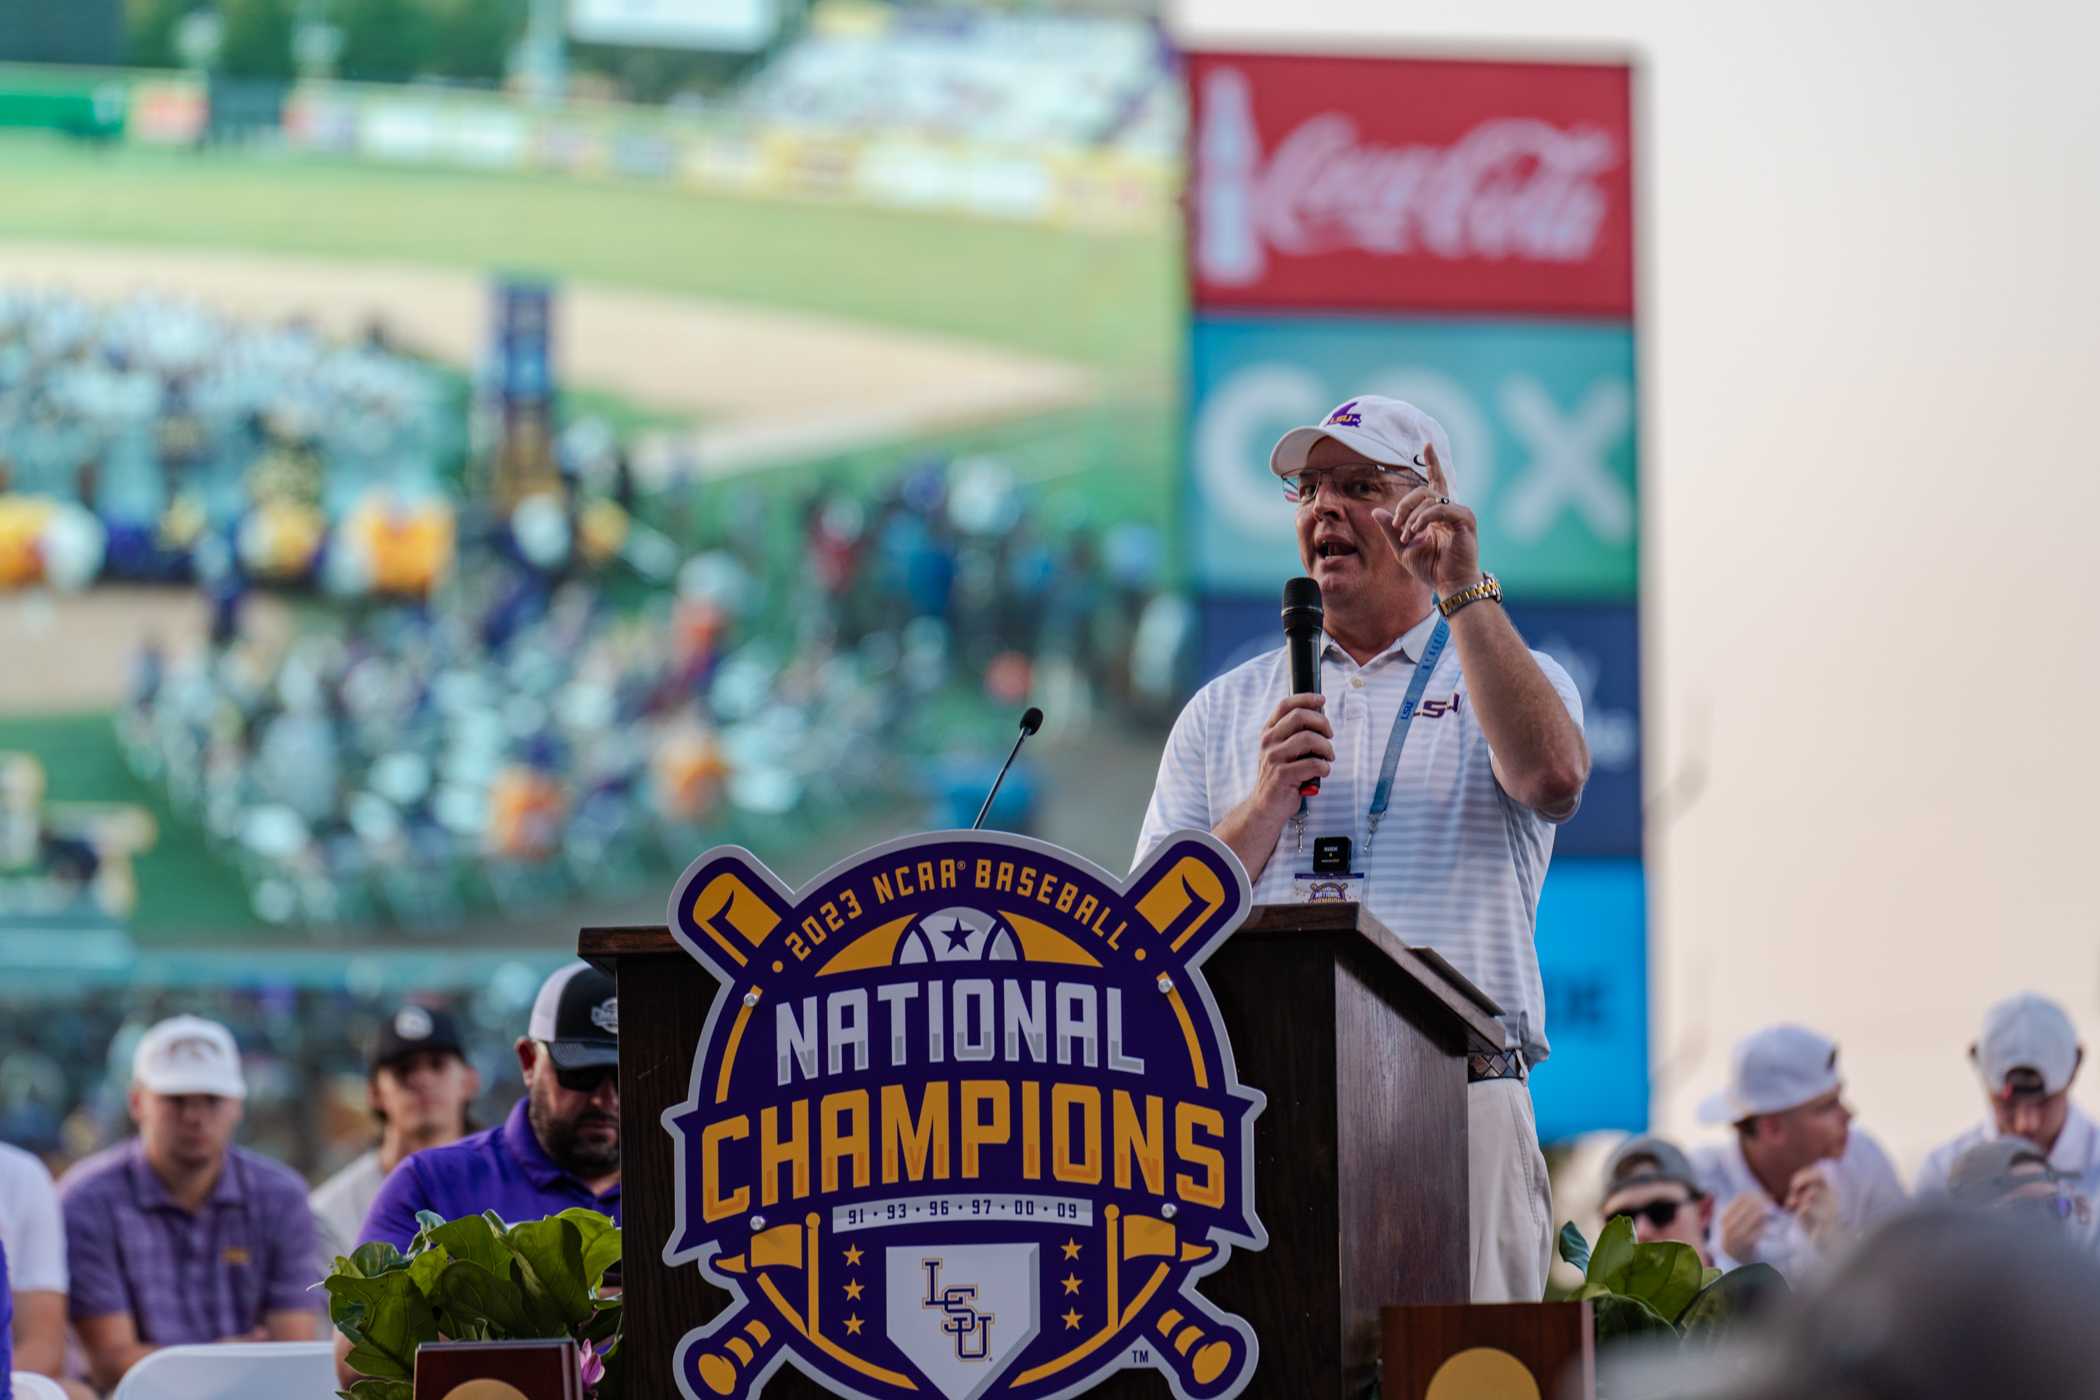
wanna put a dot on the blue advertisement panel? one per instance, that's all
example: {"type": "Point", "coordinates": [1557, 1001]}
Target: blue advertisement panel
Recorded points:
{"type": "Point", "coordinates": [1593, 952]}
{"type": "Point", "coordinates": [1540, 414]}
{"type": "Point", "coordinates": [1599, 647]}
{"type": "Point", "coordinates": [1598, 644]}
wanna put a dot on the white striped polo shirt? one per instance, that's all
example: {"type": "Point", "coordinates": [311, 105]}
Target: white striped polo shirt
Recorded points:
{"type": "Point", "coordinates": [1458, 863]}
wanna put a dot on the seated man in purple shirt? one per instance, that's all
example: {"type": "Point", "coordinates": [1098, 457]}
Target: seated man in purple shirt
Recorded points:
{"type": "Point", "coordinates": [560, 1145]}
{"type": "Point", "coordinates": [177, 1235]}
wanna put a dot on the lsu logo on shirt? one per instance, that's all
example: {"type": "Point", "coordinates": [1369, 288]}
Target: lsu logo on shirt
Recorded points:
{"type": "Point", "coordinates": [964, 1122]}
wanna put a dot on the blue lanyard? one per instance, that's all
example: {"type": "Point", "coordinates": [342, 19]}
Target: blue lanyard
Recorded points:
{"type": "Point", "coordinates": [1382, 795]}
{"type": "Point", "coordinates": [1402, 722]}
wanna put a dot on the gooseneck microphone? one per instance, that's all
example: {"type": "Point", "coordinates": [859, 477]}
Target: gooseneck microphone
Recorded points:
{"type": "Point", "coordinates": [1304, 615]}
{"type": "Point", "coordinates": [1030, 722]}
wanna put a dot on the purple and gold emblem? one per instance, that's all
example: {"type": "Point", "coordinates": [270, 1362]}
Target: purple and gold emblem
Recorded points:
{"type": "Point", "coordinates": [964, 1124]}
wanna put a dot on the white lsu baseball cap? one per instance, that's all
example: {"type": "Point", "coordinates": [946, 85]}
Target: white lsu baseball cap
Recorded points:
{"type": "Point", "coordinates": [188, 1055]}
{"type": "Point", "coordinates": [1379, 429]}
{"type": "Point", "coordinates": [1775, 1069]}
{"type": "Point", "coordinates": [2026, 1032]}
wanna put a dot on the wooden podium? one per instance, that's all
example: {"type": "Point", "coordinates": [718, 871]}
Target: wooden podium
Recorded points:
{"type": "Point", "coordinates": [1360, 1157]}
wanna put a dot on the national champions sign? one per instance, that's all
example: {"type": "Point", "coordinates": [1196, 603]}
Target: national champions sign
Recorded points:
{"type": "Point", "coordinates": [964, 1123]}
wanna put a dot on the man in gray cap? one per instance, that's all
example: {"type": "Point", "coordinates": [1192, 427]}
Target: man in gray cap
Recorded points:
{"type": "Point", "coordinates": [2000, 1171]}
{"type": "Point", "coordinates": [2027, 1057]}
{"type": "Point", "coordinates": [1651, 1180]}
{"type": "Point", "coordinates": [1798, 1179]}
{"type": "Point", "coordinates": [2012, 1175]}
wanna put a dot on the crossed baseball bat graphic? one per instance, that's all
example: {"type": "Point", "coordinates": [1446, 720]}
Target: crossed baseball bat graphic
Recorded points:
{"type": "Point", "coordinates": [1203, 1353]}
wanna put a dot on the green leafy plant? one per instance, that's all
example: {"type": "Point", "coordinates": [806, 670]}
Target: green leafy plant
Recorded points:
{"type": "Point", "coordinates": [478, 1279]}
{"type": "Point", "coordinates": [1660, 1289]}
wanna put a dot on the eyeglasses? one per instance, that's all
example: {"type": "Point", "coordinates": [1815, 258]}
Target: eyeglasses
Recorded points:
{"type": "Point", "coordinates": [1656, 1213]}
{"type": "Point", "coordinates": [586, 1081]}
{"type": "Point", "coordinates": [1348, 484]}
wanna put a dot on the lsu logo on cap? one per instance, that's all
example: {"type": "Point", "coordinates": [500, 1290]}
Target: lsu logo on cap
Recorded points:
{"type": "Point", "coordinates": [964, 1123]}
{"type": "Point", "coordinates": [1346, 416]}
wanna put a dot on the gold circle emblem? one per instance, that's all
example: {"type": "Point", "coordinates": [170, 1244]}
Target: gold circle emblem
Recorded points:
{"type": "Point", "coordinates": [484, 1390]}
{"type": "Point", "coordinates": [1482, 1373]}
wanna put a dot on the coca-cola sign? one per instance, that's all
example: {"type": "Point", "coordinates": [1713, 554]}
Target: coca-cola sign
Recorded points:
{"type": "Point", "coordinates": [1410, 184]}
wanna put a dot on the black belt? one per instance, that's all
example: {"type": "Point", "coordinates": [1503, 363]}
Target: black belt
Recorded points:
{"type": "Point", "coordinates": [1503, 1064]}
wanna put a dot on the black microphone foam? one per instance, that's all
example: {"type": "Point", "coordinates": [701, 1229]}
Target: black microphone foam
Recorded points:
{"type": "Point", "coordinates": [1031, 721]}
{"type": "Point", "coordinates": [1304, 616]}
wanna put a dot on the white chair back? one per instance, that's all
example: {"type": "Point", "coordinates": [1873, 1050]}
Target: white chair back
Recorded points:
{"type": "Point", "coordinates": [31, 1386]}
{"type": "Point", "coordinates": [233, 1371]}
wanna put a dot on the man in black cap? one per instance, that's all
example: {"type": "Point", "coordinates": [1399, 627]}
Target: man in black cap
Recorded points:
{"type": "Point", "coordinates": [559, 1147]}
{"type": "Point", "coordinates": [420, 1088]}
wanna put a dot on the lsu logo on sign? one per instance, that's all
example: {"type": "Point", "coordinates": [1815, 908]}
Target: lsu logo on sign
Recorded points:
{"type": "Point", "coordinates": [964, 1122]}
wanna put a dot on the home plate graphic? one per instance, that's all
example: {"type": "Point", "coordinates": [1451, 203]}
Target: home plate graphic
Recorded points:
{"type": "Point", "coordinates": [964, 1124]}
{"type": "Point", "coordinates": [962, 1334]}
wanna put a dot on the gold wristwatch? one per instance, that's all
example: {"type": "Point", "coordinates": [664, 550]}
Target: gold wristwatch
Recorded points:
{"type": "Point", "coordinates": [1488, 587]}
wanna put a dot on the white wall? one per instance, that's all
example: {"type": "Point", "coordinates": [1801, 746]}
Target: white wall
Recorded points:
{"type": "Point", "coordinates": [1871, 373]}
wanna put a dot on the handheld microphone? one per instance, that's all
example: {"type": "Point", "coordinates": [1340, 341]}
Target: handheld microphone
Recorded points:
{"type": "Point", "coordinates": [1303, 618]}
{"type": "Point", "coordinates": [1030, 722]}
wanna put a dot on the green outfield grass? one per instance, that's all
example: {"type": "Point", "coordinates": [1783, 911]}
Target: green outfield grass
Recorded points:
{"type": "Point", "coordinates": [1113, 301]}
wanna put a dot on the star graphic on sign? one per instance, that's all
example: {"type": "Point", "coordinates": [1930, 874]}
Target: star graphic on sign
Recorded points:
{"type": "Point", "coordinates": [852, 1255]}
{"type": "Point", "coordinates": [1071, 1248]}
{"type": "Point", "coordinates": [1071, 1283]}
{"type": "Point", "coordinates": [1072, 1320]}
{"type": "Point", "coordinates": [854, 1290]}
{"type": "Point", "coordinates": [957, 933]}
{"type": "Point", "coordinates": [852, 1325]}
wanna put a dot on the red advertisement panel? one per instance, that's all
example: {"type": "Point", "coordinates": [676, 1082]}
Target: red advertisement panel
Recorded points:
{"type": "Point", "coordinates": [1371, 184]}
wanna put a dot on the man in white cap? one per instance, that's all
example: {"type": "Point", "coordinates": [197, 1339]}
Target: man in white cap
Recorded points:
{"type": "Point", "coordinates": [177, 1236]}
{"type": "Point", "coordinates": [1799, 1179]}
{"type": "Point", "coordinates": [1445, 750]}
{"type": "Point", "coordinates": [2027, 1057]}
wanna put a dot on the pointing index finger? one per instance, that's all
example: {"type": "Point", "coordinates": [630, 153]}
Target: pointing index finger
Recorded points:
{"type": "Point", "coordinates": [1436, 469]}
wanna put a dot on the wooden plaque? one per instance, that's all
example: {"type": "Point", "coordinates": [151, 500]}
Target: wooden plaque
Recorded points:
{"type": "Point", "coordinates": [1489, 1351]}
{"type": "Point", "coordinates": [498, 1371]}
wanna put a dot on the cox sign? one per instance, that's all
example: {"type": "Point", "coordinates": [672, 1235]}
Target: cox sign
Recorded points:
{"type": "Point", "coordinates": [1541, 416]}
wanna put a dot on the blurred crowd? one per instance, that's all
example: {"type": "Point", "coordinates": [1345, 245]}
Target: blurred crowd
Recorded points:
{"type": "Point", "coordinates": [1881, 1293]}
{"type": "Point", "coordinates": [550, 723]}
{"type": "Point", "coordinates": [1797, 1182]}
{"type": "Point", "coordinates": [66, 1059]}
{"type": "Point", "coordinates": [170, 1233]}
{"type": "Point", "coordinates": [1035, 79]}
{"type": "Point", "coordinates": [136, 431]}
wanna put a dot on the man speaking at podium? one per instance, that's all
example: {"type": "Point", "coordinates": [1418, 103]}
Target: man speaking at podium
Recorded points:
{"type": "Point", "coordinates": [1445, 752]}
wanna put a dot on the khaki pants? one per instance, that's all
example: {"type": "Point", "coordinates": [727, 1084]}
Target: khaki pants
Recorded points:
{"type": "Point", "coordinates": [1508, 1198]}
